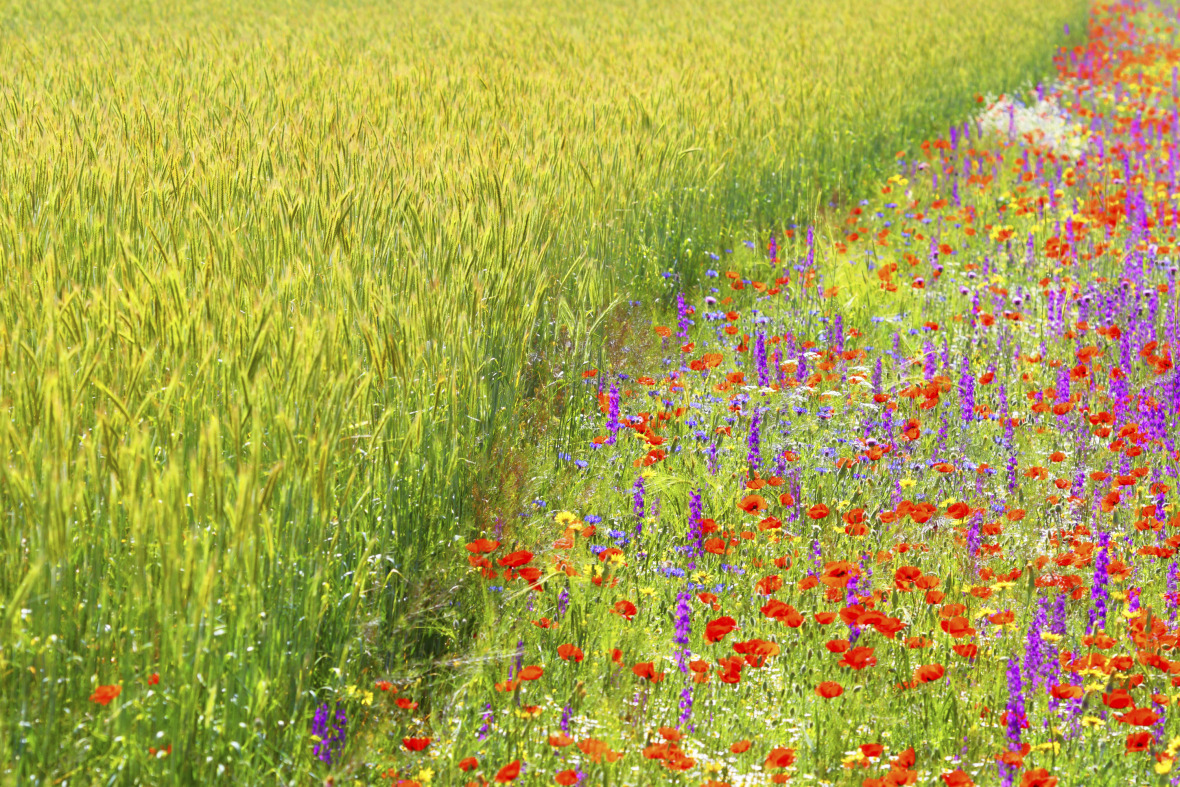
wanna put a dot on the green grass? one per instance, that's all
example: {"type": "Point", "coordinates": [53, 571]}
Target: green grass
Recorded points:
{"type": "Point", "coordinates": [276, 277]}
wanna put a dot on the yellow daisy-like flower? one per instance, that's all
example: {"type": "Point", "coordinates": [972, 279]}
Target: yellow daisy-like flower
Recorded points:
{"type": "Point", "coordinates": [906, 483]}
{"type": "Point", "coordinates": [565, 517]}
{"type": "Point", "coordinates": [855, 758]}
{"type": "Point", "coordinates": [1092, 721]}
{"type": "Point", "coordinates": [700, 577]}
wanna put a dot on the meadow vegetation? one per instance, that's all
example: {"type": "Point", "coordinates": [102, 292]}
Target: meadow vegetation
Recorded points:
{"type": "Point", "coordinates": [278, 280]}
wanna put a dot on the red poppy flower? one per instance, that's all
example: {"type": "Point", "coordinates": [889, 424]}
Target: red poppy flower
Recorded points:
{"type": "Point", "coordinates": [837, 645]}
{"type": "Point", "coordinates": [405, 703]}
{"type": "Point", "coordinates": [769, 584]}
{"type": "Point", "coordinates": [928, 673]}
{"type": "Point", "coordinates": [757, 651]}
{"type": "Point", "coordinates": [569, 652]}
{"type": "Point", "coordinates": [560, 740]}
{"type": "Point", "coordinates": [776, 610]}
{"type": "Point", "coordinates": [104, 694]}
{"type": "Point", "coordinates": [1140, 717]}
{"type": "Point", "coordinates": [515, 559]}
{"type": "Point", "coordinates": [715, 630]}
{"type": "Point", "coordinates": [670, 734]}
{"type": "Point", "coordinates": [753, 504]}
{"type": "Point", "coordinates": [1139, 741]}
{"type": "Point", "coordinates": [829, 689]}
{"type": "Point", "coordinates": [958, 511]}
{"type": "Point", "coordinates": [715, 546]}
{"type": "Point", "coordinates": [740, 747]}
{"type": "Point", "coordinates": [858, 658]}
{"type": "Point", "coordinates": [531, 672]}
{"type": "Point", "coordinates": [905, 576]}
{"type": "Point", "coordinates": [647, 669]}
{"type": "Point", "coordinates": [780, 757]}
{"type": "Point", "coordinates": [566, 778]}
{"type": "Point", "coordinates": [468, 764]}
{"type": "Point", "coordinates": [1038, 777]}
{"type": "Point", "coordinates": [730, 670]}
{"type": "Point", "coordinates": [957, 626]}
{"type": "Point", "coordinates": [818, 511]}
{"type": "Point", "coordinates": [481, 546]}
{"type": "Point", "coordinates": [416, 744]}
{"type": "Point", "coordinates": [872, 749]}
{"type": "Point", "coordinates": [509, 772]}
{"type": "Point", "coordinates": [958, 778]}
{"type": "Point", "coordinates": [596, 750]}
{"type": "Point", "coordinates": [1066, 692]}
{"type": "Point", "coordinates": [625, 608]}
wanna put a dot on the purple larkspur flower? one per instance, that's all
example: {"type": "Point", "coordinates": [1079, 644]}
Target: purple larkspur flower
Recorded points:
{"type": "Point", "coordinates": [683, 628]}
{"type": "Point", "coordinates": [1099, 592]}
{"type": "Point", "coordinates": [753, 442]}
{"type": "Point", "coordinates": [330, 732]}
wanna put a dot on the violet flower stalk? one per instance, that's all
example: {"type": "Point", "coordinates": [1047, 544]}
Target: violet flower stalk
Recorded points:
{"type": "Point", "coordinates": [754, 456]}
{"type": "Point", "coordinates": [612, 418]}
{"type": "Point", "coordinates": [486, 717]}
{"type": "Point", "coordinates": [1099, 592]}
{"type": "Point", "coordinates": [563, 602]}
{"type": "Point", "coordinates": [686, 705]}
{"type": "Point", "coordinates": [695, 515]}
{"type": "Point", "coordinates": [637, 502]}
{"type": "Point", "coordinates": [760, 359]}
{"type": "Point", "coordinates": [683, 628]}
{"type": "Point", "coordinates": [566, 714]}
{"type": "Point", "coordinates": [330, 733]}
{"type": "Point", "coordinates": [1032, 653]}
{"type": "Point", "coordinates": [1015, 714]}
{"type": "Point", "coordinates": [973, 535]}
{"type": "Point", "coordinates": [967, 393]}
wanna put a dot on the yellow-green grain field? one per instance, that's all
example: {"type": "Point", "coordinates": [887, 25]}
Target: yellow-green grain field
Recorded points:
{"type": "Point", "coordinates": [276, 276]}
